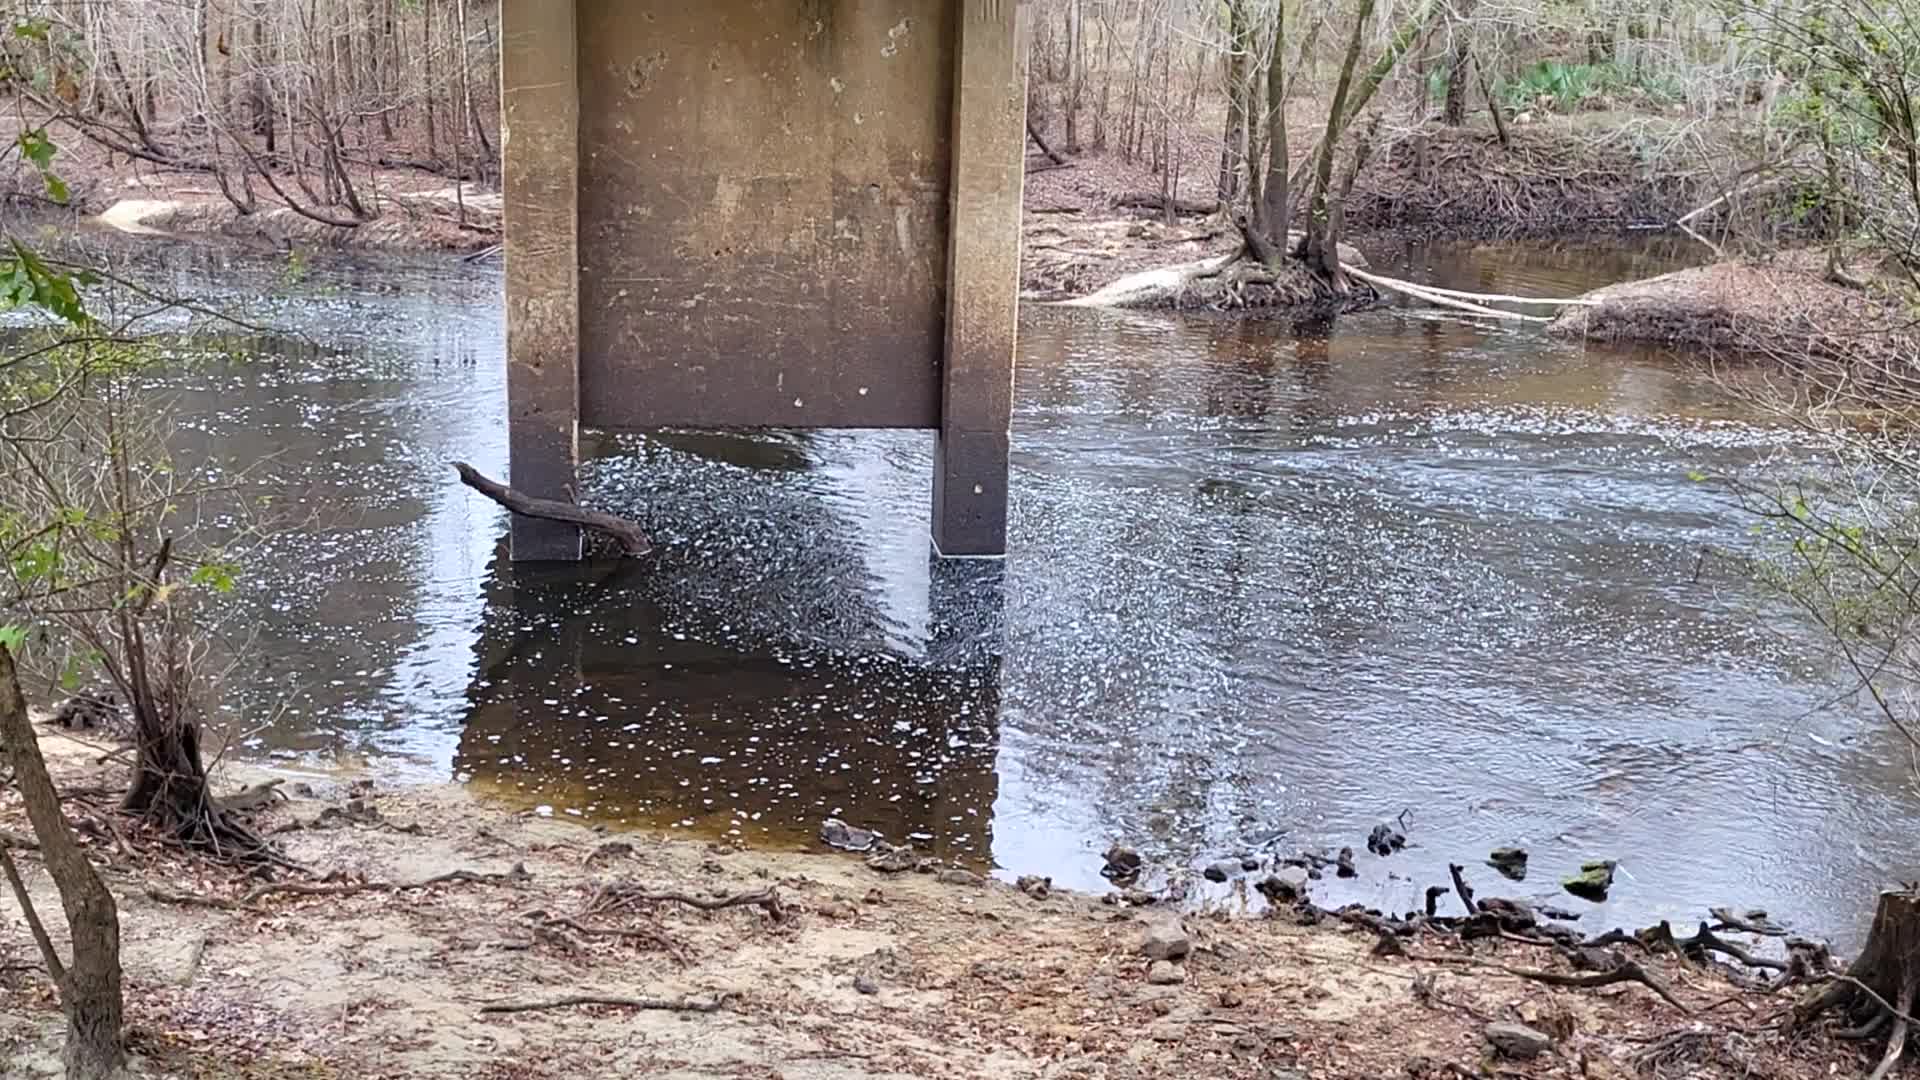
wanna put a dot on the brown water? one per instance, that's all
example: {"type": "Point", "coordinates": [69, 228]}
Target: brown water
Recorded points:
{"type": "Point", "coordinates": [1266, 582]}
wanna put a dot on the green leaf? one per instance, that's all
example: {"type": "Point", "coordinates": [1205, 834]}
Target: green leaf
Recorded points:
{"type": "Point", "coordinates": [32, 29]}
{"type": "Point", "coordinates": [13, 637]}
{"type": "Point", "coordinates": [216, 576]}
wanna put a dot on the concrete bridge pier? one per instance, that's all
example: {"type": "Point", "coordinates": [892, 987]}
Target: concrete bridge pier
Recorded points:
{"type": "Point", "coordinates": [736, 214]}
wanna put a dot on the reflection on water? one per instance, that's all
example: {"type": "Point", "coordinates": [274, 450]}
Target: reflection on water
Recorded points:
{"type": "Point", "coordinates": [1265, 579]}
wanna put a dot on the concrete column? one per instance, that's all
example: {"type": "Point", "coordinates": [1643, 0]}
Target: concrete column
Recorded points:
{"type": "Point", "coordinates": [983, 278]}
{"type": "Point", "coordinates": [540, 146]}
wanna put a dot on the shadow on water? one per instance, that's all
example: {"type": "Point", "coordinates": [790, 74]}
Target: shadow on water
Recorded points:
{"type": "Point", "coordinates": [1265, 580]}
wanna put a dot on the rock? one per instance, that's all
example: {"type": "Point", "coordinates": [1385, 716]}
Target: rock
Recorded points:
{"type": "Point", "coordinates": [1593, 880]}
{"type": "Point", "coordinates": [839, 834]}
{"type": "Point", "coordinates": [1035, 886]}
{"type": "Point", "coordinates": [1165, 973]}
{"type": "Point", "coordinates": [1560, 913]}
{"type": "Point", "coordinates": [1165, 939]}
{"type": "Point", "coordinates": [1285, 886]}
{"type": "Point", "coordinates": [1123, 864]}
{"type": "Point", "coordinates": [1518, 1040]}
{"type": "Point", "coordinates": [1510, 861]}
{"type": "Point", "coordinates": [865, 984]}
{"type": "Point", "coordinates": [893, 860]}
{"type": "Point", "coordinates": [1385, 839]}
{"type": "Point", "coordinates": [1167, 1031]}
{"type": "Point", "coordinates": [1222, 870]}
{"type": "Point", "coordinates": [1249, 863]}
{"type": "Point", "coordinates": [957, 876]}
{"type": "Point", "coordinates": [1231, 998]}
{"type": "Point", "coordinates": [1344, 864]}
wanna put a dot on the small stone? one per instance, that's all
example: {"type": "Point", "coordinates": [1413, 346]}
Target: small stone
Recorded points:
{"type": "Point", "coordinates": [1123, 864]}
{"type": "Point", "coordinates": [865, 984]}
{"type": "Point", "coordinates": [1222, 870]}
{"type": "Point", "coordinates": [1165, 939]}
{"type": "Point", "coordinates": [1167, 1031]}
{"type": "Point", "coordinates": [1035, 886]}
{"type": "Point", "coordinates": [893, 860]}
{"type": "Point", "coordinates": [957, 876]}
{"type": "Point", "coordinates": [1289, 883]}
{"type": "Point", "coordinates": [839, 834]}
{"type": "Point", "coordinates": [1592, 882]}
{"type": "Point", "coordinates": [1344, 864]}
{"type": "Point", "coordinates": [1518, 1040]}
{"type": "Point", "coordinates": [1165, 973]}
{"type": "Point", "coordinates": [1249, 863]}
{"type": "Point", "coordinates": [1139, 898]}
{"type": "Point", "coordinates": [1230, 998]}
{"type": "Point", "coordinates": [874, 896]}
{"type": "Point", "coordinates": [1510, 861]}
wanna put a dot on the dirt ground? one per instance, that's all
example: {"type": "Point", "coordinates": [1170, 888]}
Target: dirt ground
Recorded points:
{"type": "Point", "coordinates": [1784, 308]}
{"type": "Point", "coordinates": [850, 972]}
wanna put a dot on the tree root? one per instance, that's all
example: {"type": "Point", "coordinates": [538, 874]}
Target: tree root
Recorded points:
{"type": "Point", "coordinates": [611, 896]}
{"type": "Point", "coordinates": [302, 888]}
{"type": "Point", "coordinates": [1625, 971]}
{"type": "Point", "coordinates": [696, 1005]}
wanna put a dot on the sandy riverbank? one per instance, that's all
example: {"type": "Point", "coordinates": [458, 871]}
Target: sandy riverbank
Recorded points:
{"type": "Point", "coordinates": [842, 971]}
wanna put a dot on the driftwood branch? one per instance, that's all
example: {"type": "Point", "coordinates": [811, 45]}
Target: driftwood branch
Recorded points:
{"type": "Point", "coordinates": [632, 540]}
{"type": "Point", "coordinates": [668, 1004]}
{"type": "Point", "coordinates": [1456, 871]}
{"type": "Point", "coordinates": [1052, 154]}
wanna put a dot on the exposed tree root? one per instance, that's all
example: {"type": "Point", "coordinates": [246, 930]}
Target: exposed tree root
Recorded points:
{"type": "Point", "coordinates": [1882, 983]}
{"type": "Point", "coordinates": [617, 896]}
{"type": "Point", "coordinates": [695, 1005]}
{"type": "Point", "coordinates": [304, 888]}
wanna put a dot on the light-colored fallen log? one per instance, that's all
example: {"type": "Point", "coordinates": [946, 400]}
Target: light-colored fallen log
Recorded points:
{"type": "Point", "coordinates": [1502, 298]}
{"type": "Point", "coordinates": [1418, 292]}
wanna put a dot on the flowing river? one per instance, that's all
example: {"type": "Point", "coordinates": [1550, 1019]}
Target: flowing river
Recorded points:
{"type": "Point", "coordinates": [1269, 585]}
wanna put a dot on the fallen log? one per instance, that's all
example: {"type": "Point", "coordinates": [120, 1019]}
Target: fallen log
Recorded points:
{"type": "Point", "coordinates": [1153, 200]}
{"type": "Point", "coordinates": [1052, 154]}
{"type": "Point", "coordinates": [632, 540]}
{"type": "Point", "coordinates": [1438, 299]}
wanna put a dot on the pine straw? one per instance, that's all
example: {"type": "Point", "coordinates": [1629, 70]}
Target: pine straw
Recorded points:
{"type": "Point", "coordinates": [1773, 310]}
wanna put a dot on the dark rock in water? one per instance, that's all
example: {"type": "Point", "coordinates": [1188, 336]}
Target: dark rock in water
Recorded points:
{"type": "Point", "coordinates": [1249, 863]}
{"type": "Point", "coordinates": [1221, 871]}
{"type": "Point", "coordinates": [1560, 913]}
{"type": "Point", "coordinates": [1123, 864]}
{"type": "Point", "coordinates": [1344, 864]}
{"type": "Point", "coordinates": [839, 834]}
{"type": "Point", "coordinates": [1510, 861]}
{"type": "Point", "coordinates": [1593, 880]}
{"type": "Point", "coordinates": [1385, 839]}
{"type": "Point", "coordinates": [1284, 886]}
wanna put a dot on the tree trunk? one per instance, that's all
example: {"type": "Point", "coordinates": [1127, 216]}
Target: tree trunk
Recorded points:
{"type": "Point", "coordinates": [1889, 966]}
{"type": "Point", "coordinates": [1074, 76]}
{"type": "Point", "coordinates": [1456, 111]}
{"type": "Point", "coordinates": [1322, 240]}
{"type": "Point", "coordinates": [90, 983]}
{"type": "Point", "coordinates": [1233, 148]}
{"type": "Point", "coordinates": [1276, 209]}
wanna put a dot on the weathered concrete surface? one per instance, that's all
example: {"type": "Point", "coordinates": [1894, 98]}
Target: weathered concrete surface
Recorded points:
{"type": "Point", "coordinates": [539, 129]}
{"type": "Point", "coordinates": [747, 214]}
{"type": "Point", "coordinates": [983, 279]}
{"type": "Point", "coordinates": [763, 211]}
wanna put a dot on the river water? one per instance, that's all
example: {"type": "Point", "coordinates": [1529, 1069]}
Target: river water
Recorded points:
{"type": "Point", "coordinates": [1269, 585]}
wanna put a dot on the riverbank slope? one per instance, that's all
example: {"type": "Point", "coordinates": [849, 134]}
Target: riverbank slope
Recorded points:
{"type": "Point", "coordinates": [807, 967]}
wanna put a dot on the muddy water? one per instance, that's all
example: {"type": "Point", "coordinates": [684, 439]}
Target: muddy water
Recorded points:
{"type": "Point", "coordinates": [1270, 585]}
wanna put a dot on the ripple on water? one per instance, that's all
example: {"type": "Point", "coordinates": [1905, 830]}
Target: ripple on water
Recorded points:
{"type": "Point", "coordinates": [1264, 580]}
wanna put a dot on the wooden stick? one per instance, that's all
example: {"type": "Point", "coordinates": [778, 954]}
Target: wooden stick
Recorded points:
{"type": "Point", "coordinates": [1457, 872]}
{"type": "Point", "coordinates": [669, 1004]}
{"type": "Point", "coordinates": [632, 540]}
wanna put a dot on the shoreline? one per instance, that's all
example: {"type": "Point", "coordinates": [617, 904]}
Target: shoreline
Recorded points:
{"type": "Point", "coordinates": [820, 965]}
